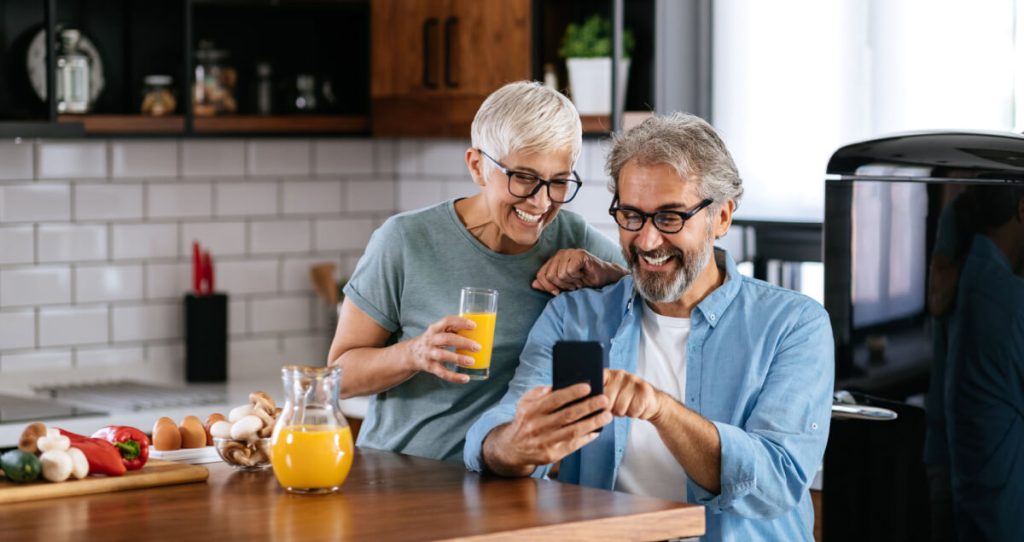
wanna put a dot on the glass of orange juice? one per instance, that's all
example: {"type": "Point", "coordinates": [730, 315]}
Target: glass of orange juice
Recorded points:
{"type": "Point", "coordinates": [311, 448]}
{"type": "Point", "coordinates": [481, 306]}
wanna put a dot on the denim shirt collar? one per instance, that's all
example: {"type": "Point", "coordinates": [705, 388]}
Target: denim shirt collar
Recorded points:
{"type": "Point", "coordinates": [711, 307]}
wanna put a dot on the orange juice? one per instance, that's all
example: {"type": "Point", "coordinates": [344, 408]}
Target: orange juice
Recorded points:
{"type": "Point", "coordinates": [312, 457]}
{"type": "Point", "coordinates": [483, 334]}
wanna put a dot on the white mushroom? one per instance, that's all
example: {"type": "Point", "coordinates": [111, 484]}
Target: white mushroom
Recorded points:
{"type": "Point", "coordinates": [246, 428]}
{"type": "Point", "coordinates": [56, 465]}
{"type": "Point", "coordinates": [79, 463]}
{"type": "Point", "coordinates": [221, 429]}
{"type": "Point", "coordinates": [239, 412]}
{"type": "Point", "coordinates": [49, 443]}
{"type": "Point", "coordinates": [268, 422]}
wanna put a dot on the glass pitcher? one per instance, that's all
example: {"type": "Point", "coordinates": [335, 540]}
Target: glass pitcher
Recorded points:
{"type": "Point", "coordinates": [311, 448]}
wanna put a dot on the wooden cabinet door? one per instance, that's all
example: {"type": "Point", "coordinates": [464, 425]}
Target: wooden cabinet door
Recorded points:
{"type": "Point", "coordinates": [487, 45]}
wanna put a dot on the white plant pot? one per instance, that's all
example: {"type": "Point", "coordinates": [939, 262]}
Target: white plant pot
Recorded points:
{"type": "Point", "coordinates": [590, 80]}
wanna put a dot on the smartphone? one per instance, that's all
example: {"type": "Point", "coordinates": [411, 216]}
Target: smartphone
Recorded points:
{"type": "Point", "coordinates": [574, 362]}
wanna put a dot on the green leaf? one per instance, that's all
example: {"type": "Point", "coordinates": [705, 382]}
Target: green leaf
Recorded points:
{"type": "Point", "coordinates": [593, 39]}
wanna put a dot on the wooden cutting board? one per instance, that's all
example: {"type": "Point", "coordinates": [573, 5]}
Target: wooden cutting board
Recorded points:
{"type": "Point", "coordinates": [155, 473]}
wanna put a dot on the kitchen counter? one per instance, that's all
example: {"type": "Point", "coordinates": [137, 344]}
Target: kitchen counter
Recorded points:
{"type": "Point", "coordinates": [387, 496]}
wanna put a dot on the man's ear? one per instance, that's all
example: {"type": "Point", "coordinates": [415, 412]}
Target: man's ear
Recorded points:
{"type": "Point", "coordinates": [475, 164]}
{"type": "Point", "coordinates": [723, 218]}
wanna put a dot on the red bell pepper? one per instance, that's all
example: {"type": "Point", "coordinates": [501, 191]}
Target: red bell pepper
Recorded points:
{"type": "Point", "coordinates": [102, 456]}
{"type": "Point", "coordinates": [130, 442]}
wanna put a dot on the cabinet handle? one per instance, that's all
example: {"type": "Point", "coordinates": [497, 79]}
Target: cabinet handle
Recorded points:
{"type": "Point", "coordinates": [429, 28]}
{"type": "Point", "coordinates": [449, 25]}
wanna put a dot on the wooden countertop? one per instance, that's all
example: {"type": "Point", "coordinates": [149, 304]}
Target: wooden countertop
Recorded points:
{"type": "Point", "coordinates": [387, 496]}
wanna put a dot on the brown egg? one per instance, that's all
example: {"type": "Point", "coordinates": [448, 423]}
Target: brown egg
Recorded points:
{"type": "Point", "coordinates": [192, 433]}
{"type": "Point", "coordinates": [165, 435]}
{"type": "Point", "coordinates": [212, 419]}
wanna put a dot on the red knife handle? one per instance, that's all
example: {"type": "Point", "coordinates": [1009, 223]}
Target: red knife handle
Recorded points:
{"type": "Point", "coordinates": [197, 269]}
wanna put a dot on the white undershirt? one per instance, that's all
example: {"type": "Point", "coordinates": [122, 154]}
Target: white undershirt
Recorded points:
{"type": "Point", "coordinates": [648, 467]}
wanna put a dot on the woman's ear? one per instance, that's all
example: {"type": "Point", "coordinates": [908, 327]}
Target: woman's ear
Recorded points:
{"type": "Point", "coordinates": [475, 164]}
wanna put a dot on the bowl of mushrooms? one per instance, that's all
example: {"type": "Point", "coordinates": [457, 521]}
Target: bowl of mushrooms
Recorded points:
{"type": "Point", "coordinates": [243, 440]}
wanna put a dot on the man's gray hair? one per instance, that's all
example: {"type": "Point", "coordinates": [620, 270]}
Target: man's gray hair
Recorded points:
{"type": "Point", "coordinates": [687, 143]}
{"type": "Point", "coordinates": [528, 117]}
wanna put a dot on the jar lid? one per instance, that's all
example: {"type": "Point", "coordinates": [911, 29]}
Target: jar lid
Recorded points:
{"type": "Point", "coordinates": [158, 80]}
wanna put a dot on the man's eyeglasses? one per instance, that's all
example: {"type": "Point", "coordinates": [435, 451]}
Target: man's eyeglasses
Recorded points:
{"type": "Point", "coordinates": [632, 219]}
{"type": "Point", "coordinates": [525, 185]}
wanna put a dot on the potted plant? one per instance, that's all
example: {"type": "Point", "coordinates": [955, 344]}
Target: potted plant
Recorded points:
{"type": "Point", "coordinates": [587, 50]}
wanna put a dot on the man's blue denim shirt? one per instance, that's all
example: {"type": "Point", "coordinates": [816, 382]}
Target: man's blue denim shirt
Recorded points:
{"type": "Point", "coordinates": [760, 367]}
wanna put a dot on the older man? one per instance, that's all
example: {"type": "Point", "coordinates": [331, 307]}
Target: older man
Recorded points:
{"type": "Point", "coordinates": [718, 387]}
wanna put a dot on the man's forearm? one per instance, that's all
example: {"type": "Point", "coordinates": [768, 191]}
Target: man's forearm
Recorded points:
{"type": "Point", "coordinates": [693, 441]}
{"type": "Point", "coordinates": [495, 457]}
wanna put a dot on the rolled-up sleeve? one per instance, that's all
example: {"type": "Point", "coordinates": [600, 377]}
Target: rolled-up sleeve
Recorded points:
{"type": "Point", "coordinates": [767, 465]}
{"type": "Point", "coordinates": [534, 370]}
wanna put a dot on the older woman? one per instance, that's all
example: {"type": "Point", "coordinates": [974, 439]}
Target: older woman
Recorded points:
{"type": "Point", "coordinates": [396, 334]}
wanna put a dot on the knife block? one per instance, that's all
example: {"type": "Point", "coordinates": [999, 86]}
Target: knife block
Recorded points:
{"type": "Point", "coordinates": [206, 338]}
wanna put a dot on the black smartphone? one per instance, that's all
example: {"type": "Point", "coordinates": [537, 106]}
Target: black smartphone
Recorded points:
{"type": "Point", "coordinates": [574, 362]}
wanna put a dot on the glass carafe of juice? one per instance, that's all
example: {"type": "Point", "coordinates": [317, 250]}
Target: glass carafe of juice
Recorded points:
{"type": "Point", "coordinates": [311, 448]}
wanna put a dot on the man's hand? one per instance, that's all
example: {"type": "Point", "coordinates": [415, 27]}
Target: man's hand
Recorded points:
{"type": "Point", "coordinates": [575, 268]}
{"type": "Point", "coordinates": [631, 396]}
{"type": "Point", "coordinates": [544, 432]}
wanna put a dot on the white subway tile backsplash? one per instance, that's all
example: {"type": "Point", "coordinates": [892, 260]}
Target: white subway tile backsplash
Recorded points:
{"type": "Point", "coordinates": [218, 238]}
{"type": "Point", "coordinates": [257, 356]}
{"type": "Point", "coordinates": [415, 194]}
{"type": "Point", "coordinates": [167, 354]}
{"type": "Point", "coordinates": [147, 322]}
{"type": "Point", "coordinates": [70, 326]}
{"type": "Point", "coordinates": [108, 201]}
{"type": "Point", "coordinates": [149, 159]}
{"type": "Point", "coordinates": [343, 233]}
{"type": "Point", "coordinates": [93, 356]}
{"type": "Point", "coordinates": [590, 166]}
{"type": "Point", "coordinates": [132, 241]}
{"type": "Point", "coordinates": [344, 156]}
{"type": "Point", "coordinates": [72, 159]}
{"type": "Point", "coordinates": [385, 157]}
{"type": "Point", "coordinates": [246, 198]}
{"type": "Point", "coordinates": [407, 159]}
{"type": "Point", "coordinates": [209, 158]}
{"type": "Point", "coordinates": [248, 277]}
{"type": "Point", "coordinates": [72, 243]}
{"type": "Point", "coordinates": [460, 189]}
{"type": "Point", "coordinates": [267, 237]}
{"type": "Point", "coordinates": [445, 157]}
{"type": "Point", "coordinates": [35, 202]}
{"type": "Point", "coordinates": [238, 310]}
{"type": "Point", "coordinates": [168, 280]}
{"type": "Point", "coordinates": [307, 349]}
{"type": "Point", "coordinates": [592, 202]}
{"type": "Point", "coordinates": [279, 314]}
{"type": "Point", "coordinates": [108, 283]}
{"type": "Point", "coordinates": [268, 157]}
{"type": "Point", "coordinates": [25, 286]}
{"type": "Point", "coordinates": [311, 197]}
{"type": "Point", "coordinates": [17, 244]}
{"type": "Point", "coordinates": [374, 195]}
{"type": "Point", "coordinates": [16, 160]}
{"type": "Point", "coordinates": [17, 329]}
{"type": "Point", "coordinates": [179, 200]}
{"type": "Point", "coordinates": [35, 361]}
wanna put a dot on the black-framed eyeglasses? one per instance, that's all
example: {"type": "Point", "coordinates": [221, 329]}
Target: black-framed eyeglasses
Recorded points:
{"type": "Point", "coordinates": [632, 219]}
{"type": "Point", "coordinates": [524, 185]}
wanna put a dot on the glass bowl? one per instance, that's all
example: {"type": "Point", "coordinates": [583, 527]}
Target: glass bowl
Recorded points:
{"type": "Point", "coordinates": [243, 454]}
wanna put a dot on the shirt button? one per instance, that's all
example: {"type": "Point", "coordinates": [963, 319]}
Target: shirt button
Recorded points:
{"type": "Point", "coordinates": [814, 427]}
{"type": "Point", "coordinates": [711, 317]}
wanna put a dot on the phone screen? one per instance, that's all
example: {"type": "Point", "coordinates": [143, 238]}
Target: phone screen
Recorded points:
{"type": "Point", "coordinates": [575, 362]}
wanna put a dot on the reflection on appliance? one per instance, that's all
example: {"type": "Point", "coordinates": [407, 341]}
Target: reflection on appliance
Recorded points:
{"type": "Point", "coordinates": [15, 409]}
{"type": "Point", "coordinates": [924, 234]}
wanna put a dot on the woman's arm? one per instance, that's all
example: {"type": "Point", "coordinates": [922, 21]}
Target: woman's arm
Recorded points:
{"type": "Point", "coordinates": [370, 367]}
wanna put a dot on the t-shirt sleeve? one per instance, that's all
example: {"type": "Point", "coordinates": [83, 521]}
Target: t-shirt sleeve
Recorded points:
{"type": "Point", "coordinates": [376, 284]}
{"type": "Point", "coordinates": [601, 246]}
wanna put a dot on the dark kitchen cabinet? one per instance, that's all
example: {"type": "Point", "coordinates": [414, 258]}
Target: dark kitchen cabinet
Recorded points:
{"type": "Point", "coordinates": [435, 61]}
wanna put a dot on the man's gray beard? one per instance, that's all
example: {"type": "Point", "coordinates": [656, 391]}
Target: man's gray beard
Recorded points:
{"type": "Point", "coordinates": [659, 288]}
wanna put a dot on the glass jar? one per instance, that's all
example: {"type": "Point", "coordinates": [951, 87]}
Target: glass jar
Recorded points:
{"type": "Point", "coordinates": [73, 77]}
{"type": "Point", "coordinates": [214, 91]}
{"type": "Point", "coordinates": [158, 96]}
{"type": "Point", "coordinates": [311, 447]}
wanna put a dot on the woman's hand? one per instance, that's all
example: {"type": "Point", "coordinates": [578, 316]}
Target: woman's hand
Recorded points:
{"type": "Point", "coordinates": [431, 351]}
{"type": "Point", "coordinates": [575, 268]}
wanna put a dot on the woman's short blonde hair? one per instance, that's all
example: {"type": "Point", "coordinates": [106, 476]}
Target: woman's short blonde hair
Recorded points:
{"type": "Point", "coordinates": [528, 117]}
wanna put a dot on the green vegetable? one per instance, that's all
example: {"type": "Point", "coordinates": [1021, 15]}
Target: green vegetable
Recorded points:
{"type": "Point", "coordinates": [20, 466]}
{"type": "Point", "coordinates": [593, 39]}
